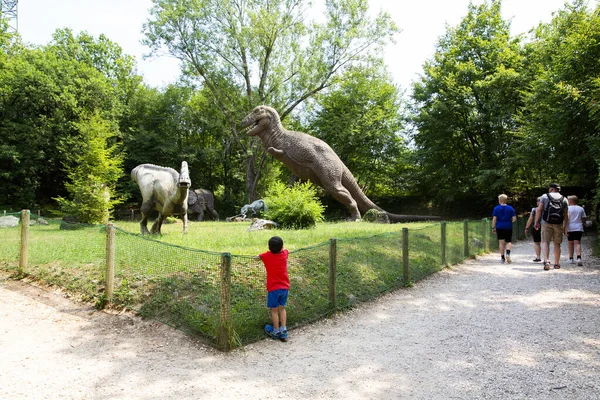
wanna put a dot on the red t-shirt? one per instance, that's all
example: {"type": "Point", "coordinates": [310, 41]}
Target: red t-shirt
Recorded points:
{"type": "Point", "coordinates": [276, 266]}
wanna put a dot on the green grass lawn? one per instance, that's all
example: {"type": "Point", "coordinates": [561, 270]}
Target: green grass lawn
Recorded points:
{"type": "Point", "coordinates": [233, 237]}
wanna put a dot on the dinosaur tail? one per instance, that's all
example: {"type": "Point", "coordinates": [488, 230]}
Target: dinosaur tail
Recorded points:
{"type": "Point", "coordinates": [365, 204]}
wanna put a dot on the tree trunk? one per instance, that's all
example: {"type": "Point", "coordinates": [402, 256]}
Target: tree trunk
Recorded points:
{"type": "Point", "coordinates": [251, 177]}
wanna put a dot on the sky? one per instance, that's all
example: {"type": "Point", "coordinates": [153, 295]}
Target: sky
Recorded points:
{"type": "Point", "coordinates": [422, 22]}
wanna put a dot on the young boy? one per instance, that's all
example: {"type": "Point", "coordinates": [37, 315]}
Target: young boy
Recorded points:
{"type": "Point", "coordinates": [278, 285]}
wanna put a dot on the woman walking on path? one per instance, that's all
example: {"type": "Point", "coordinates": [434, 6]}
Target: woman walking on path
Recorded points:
{"type": "Point", "coordinates": [535, 233]}
{"type": "Point", "coordinates": [575, 229]}
{"type": "Point", "coordinates": [503, 217]}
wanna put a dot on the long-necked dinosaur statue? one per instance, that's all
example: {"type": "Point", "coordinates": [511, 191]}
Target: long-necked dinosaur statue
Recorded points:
{"type": "Point", "coordinates": [310, 158]}
{"type": "Point", "coordinates": [165, 190]}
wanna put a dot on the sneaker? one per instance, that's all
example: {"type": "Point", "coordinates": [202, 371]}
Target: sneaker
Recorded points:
{"type": "Point", "coordinates": [579, 262]}
{"type": "Point", "coordinates": [537, 259]}
{"type": "Point", "coordinates": [271, 332]}
{"type": "Point", "coordinates": [546, 265]}
{"type": "Point", "coordinates": [570, 261]}
{"type": "Point", "coordinates": [508, 259]}
{"type": "Point", "coordinates": [502, 260]}
{"type": "Point", "coordinates": [283, 336]}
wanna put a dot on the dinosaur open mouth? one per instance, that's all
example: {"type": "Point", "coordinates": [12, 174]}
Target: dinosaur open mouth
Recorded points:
{"type": "Point", "coordinates": [250, 127]}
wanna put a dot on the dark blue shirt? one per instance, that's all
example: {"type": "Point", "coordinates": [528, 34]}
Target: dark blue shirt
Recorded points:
{"type": "Point", "coordinates": [504, 214]}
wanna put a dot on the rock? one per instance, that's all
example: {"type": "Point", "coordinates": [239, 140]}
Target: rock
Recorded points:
{"type": "Point", "coordinates": [42, 221]}
{"type": "Point", "coordinates": [9, 221]}
{"type": "Point", "coordinates": [377, 216]}
{"type": "Point", "coordinates": [237, 218]}
{"type": "Point", "coordinates": [260, 224]}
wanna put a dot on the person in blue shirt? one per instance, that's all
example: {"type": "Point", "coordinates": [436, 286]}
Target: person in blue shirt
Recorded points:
{"type": "Point", "coordinates": [503, 217]}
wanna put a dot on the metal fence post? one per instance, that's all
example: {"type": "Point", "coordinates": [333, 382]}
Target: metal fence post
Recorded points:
{"type": "Point", "coordinates": [225, 332]}
{"type": "Point", "coordinates": [109, 276]}
{"type": "Point", "coordinates": [332, 273]}
{"type": "Point", "coordinates": [443, 239]}
{"type": "Point", "coordinates": [24, 256]}
{"type": "Point", "coordinates": [466, 237]}
{"type": "Point", "coordinates": [405, 269]}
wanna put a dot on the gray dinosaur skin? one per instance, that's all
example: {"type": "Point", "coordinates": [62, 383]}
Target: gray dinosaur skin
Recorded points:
{"type": "Point", "coordinates": [310, 158]}
{"type": "Point", "coordinates": [163, 189]}
{"type": "Point", "coordinates": [204, 201]}
{"type": "Point", "coordinates": [256, 205]}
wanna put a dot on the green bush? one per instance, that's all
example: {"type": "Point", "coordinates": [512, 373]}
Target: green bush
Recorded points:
{"type": "Point", "coordinates": [295, 207]}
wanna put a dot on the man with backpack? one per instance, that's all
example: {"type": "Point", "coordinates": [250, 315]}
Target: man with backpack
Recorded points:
{"type": "Point", "coordinates": [553, 213]}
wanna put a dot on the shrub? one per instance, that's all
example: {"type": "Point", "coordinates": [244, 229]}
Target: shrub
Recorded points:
{"type": "Point", "coordinates": [295, 207]}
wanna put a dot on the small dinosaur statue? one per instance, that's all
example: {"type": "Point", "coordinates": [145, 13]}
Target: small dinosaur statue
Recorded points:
{"type": "Point", "coordinates": [200, 201]}
{"type": "Point", "coordinates": [310, 158]}
{"type": "Point", "coordinates": [256, 205]}
{"type": "Point", "coordinates": [163, 189]}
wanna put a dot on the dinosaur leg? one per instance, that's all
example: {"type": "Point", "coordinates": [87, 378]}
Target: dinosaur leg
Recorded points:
{"type": "Point", "coordinates": [342, 195]}
{"type": "Point", "coordinates": [144, 225]}
{"type": "Point", "coordinates": [214, 214]}
{"type": "Point", "coordinates": [157, 223]}
{"type": "Point", "coordinates": [200, 215]}
{"type": "Point", "coordinates": [185, 222]}
{"type": "Point", "coordinates": [146, 209]}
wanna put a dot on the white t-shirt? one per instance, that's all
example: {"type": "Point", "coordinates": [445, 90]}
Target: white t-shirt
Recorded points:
{"type": "Point", "coordinates": [575, 215]}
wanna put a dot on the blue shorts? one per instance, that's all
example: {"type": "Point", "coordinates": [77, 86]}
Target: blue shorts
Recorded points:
{"type": "Point", "coordinates": [277, 298]}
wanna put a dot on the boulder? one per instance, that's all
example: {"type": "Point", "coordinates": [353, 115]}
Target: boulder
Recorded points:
{"type": "Point", "coordinates": [260, 224]}
{"type": "Point", "coordinates": [9, 221]}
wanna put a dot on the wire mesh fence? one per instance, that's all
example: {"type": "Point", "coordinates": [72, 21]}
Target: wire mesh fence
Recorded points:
{"type": "Point", "coordinates": [222, 296]}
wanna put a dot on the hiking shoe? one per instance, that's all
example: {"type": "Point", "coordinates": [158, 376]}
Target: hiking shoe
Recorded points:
{"type": "Point", "coordinates": [579, 262]}
{"type": "Point", "coordinates": [570, 261]}
{"type": "Point", "coordinates": [271, 332]}
{"type": "Point", "coordinates": [546, 266]}
{"type": "Point", "coordinates": [508, 260]}
{"type": "Point", "coordinates": [283, 336]}
{"type": "Point", "coordinates": [537, 259]}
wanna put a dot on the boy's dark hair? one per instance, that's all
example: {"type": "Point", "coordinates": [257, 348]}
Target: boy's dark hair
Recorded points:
{"type": "Point", "coordinates": [275, 244]}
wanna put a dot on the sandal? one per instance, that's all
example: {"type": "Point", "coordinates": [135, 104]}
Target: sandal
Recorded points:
{"type": "Point", "coordinates": [556, 266]}
{"type": "Point", "coordinates": [537, 259]}
{"type": "Point", "coordinates": [546, 266]}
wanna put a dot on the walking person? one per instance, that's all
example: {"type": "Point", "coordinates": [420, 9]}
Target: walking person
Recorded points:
{"type": "Point", "coordinates": [503, 217]}
{"type": "Point", "coordinates": [535, 233]}
{"type": "Point", "coordinates": [278, 285]}
{"type": "Point", "coordinates": [575, 229]}
{"type": "Point", "coordinates": [552, 215]}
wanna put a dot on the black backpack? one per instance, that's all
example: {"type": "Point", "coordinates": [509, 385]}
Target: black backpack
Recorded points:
{"type": "Point", "coordinates": [553, 212]}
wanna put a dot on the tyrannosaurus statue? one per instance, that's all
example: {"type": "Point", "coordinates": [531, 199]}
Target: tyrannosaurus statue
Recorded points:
{"type": "Point", "coordinates": [163, 189]}
{"type": "Point", "coordinates": [310, 158]}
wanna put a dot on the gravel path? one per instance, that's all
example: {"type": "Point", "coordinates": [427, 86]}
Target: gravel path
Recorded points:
{"type": "Point", "coordinates": [479, 330]}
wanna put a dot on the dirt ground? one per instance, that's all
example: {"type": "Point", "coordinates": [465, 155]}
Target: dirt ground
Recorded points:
{"type": "Point", "coordinates": [478, 330]}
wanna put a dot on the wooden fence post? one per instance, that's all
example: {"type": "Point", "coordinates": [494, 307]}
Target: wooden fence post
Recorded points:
{"type": "Point", "coordinates": [224, 335]}
{"type": "Point", "coordinates": [109, 275]}
{"type": "Point", "coordinates": [484, 234]}
{"type": "Point", "coordinates": [332, 273]}
{"type": "Point", "coordinates": [466, 238]}
{"type": "Point", "coordinates": [405, 269]}
{"type": "Point", "coordinates": [443, 239]}
{"type": "Point", "coordinates": [24, 256]}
